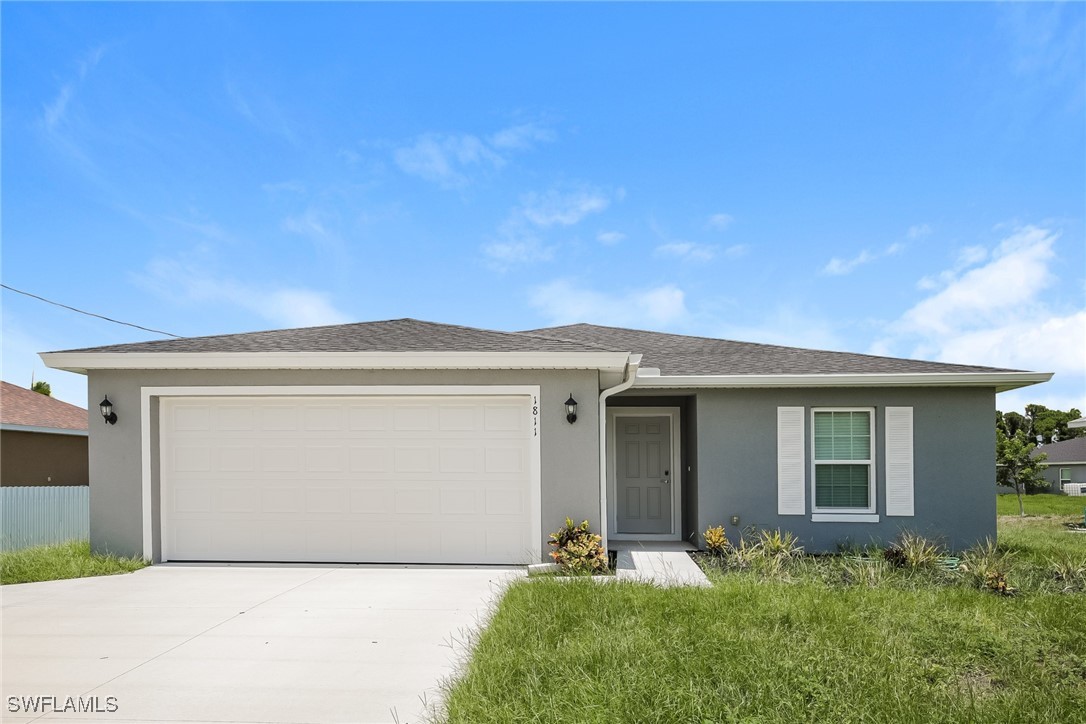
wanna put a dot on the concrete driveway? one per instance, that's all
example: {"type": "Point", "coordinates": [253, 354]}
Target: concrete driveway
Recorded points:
{"type": "Point", "coordinates": [242, 643]}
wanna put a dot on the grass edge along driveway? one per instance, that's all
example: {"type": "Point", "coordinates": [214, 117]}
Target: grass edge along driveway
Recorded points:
{"type": "Point", "coordinates": [64, 560]}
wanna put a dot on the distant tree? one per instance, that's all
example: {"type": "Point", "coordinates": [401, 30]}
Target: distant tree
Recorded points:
{"type": "Point", "coordinates": [1016, 467]}
{"type": "Point", "coordinates": [42, 387]}
{"type": "Point", "coordinates": [1051, 425]}
{"type": "Point", "coordinates": [1011, 422]}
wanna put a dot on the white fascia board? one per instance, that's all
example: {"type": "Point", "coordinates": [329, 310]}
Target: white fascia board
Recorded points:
{"type": "Point", "coordinates": [1001, 381]}
{"type": "Point", "coordinates": [46, 430]}
{"type": "Point", "coordinates": [83, 361]}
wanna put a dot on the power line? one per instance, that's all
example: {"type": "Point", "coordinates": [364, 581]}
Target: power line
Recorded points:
{"type": "Point", "coordinates": [89, 314]}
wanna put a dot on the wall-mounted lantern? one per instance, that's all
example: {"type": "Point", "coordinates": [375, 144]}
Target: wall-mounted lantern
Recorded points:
{"type": "Point", "coordinates": [107, 411]}
{"type": "Point", "coordinates": [571, 409]}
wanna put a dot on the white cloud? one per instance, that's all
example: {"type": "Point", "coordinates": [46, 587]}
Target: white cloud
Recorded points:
{"type": "Point", "coordinates": [918, 231]}
{"type": "Point", "coordinates": [687, 251]}
{"type": "Point", "coordinates": [736, 250]}
{"type": "Point", "coordinates": [522, 137]}
{"type": "Point", "coordinates": [998, 314]}
{"type": "Point", "coordinates": [837, 266]}
{"type": "Point", "coordinates": [967, 257]}
{"type": "Point", "coordinates": [563, 208]}
{"type": "Point", "coordinates": [1017, 271]}
{"type": "Point", "coordinates": [445, 158]}
{"type": "Point", "coordinates": [563, 301]}
{"type": "Point", "coordinates": [56, 109]}
{"type": "Point", "coordinates": [720, 222]}
{"type": "Point", "coordinates": [184, 282]}
{"type": "Point", "coordinates": [610, 238]}
{"type": "Point", "coordinates": [448, 159]}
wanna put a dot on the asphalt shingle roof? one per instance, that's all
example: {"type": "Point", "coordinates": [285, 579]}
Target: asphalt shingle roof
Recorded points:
{"type": "Point", "coordinates": [20, 406]}
{"type": "Point", "coordinates": [677, 354]}
{"type": "Point", "coordinates": [396, 335]}
{"type": "Point", "coordinates": [1064, 451]}
{"type": "Point", "coordinates": [673, 354]}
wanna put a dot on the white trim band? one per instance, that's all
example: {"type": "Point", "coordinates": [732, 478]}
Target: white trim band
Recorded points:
{"type": "Point", "coordinates": [83, 361]}
{"type": "Point", "coordinates": [843, 518]}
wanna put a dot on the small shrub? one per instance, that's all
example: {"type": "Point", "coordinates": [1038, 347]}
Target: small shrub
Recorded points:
{"type": "Point", "coordinates": [742, 555]}
{"type": "Point", "coordinates": [776, 544]}
{"type": "Point", "coordinates": [577, 550]}
{"type": "Point", "coordinates": [716, 542]}
{"type": "Point", "coordinates": [989, 568]}
{"type": "Point", "coordinates": [913, 551]}
{"type": "Point", "coordinates": [1068, 570]}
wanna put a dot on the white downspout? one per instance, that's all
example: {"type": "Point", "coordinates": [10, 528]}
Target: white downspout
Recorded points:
{"type": "Point", "coordinates": [629, 377]}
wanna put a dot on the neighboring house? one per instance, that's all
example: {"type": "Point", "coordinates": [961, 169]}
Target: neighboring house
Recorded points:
{"type": "Point", "coordinates": [42, 441]}
{"type": "Point", "coordinates": [408, 441]}
{"type": "Point", "coordinates": [1077, 423]}
{"type": "Point", "coordinates": [1066, 464]}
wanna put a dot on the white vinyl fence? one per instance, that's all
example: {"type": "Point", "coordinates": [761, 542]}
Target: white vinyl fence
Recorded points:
{"type": "Point", "coordinates": [40, 515]}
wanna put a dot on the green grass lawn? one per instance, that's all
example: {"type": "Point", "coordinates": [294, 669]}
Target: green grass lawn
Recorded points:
{"type": "Point", "coordinates": [805, 646]}
{"type": "Point", "coordinates": [67, 560]}
{"type": "Point", "coordinates": [1041, 504]}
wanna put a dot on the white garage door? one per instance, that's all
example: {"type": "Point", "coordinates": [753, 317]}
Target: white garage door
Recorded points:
{"type": "Point", "coordinates": [412, 479]}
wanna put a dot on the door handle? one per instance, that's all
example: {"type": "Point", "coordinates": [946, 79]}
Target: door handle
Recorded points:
{"type": "Point", "coordinates": [665, 481]}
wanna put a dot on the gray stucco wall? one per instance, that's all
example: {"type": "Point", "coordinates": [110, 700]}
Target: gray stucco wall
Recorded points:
{"type": "Point", "coordinates": [954, 463]}
{"type": "Point", "coordinates": [1052, 475]}
{"type": "Point", "coordinates": [569, 454]}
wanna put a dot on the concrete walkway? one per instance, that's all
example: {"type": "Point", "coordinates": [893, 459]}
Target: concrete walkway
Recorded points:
{"type": "Point", "coordinates": [663, 564]}
{"type": "Point", "coordinates": [243, 643]}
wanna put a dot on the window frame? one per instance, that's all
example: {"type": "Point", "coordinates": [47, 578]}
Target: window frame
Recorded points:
{"type": "Point", "coordinates": [872, 502]}
{"type": "Point", "coordinates": [1064, 480]}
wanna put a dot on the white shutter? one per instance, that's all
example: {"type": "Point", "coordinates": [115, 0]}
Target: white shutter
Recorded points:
{"type": "Point", "coordinates": [899, 461]}
{"type": "Point", "coordinates": [791, 480]}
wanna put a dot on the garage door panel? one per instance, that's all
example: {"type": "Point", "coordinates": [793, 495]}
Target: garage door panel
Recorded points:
{"type": "Point", "coordinates": [393, 479]}
{"type": "Point", "coordinates": [281, 500]}
{"type": "Point", "coordinates": [234, 417]}
{"type": "Point", "coordinates": [280, 459]}
{"type": "Point", "coordinates": [279, 418]}
{"type": "Point", "coordinates": [370, 459]}
{"type": "Point", "coordinates": [372, 501]}
{"type": "Point", "coordinates": [325, 458]}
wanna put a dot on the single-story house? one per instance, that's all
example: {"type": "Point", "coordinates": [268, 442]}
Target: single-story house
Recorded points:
{"type": "Point", "coordinates": [1066, 471]}
{"type": "Point", "coordinates": [409, 441]}
{"type": "Point", "coordinates": [43, 441]}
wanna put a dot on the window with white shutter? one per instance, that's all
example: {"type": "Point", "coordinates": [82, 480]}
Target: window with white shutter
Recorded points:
{"type": "Point", "coordinates": [791, 482]}
{"type": "Point", "coordinates": [899, 461]}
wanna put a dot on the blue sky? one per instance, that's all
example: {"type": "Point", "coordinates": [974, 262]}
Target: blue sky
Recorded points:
{"type": "Point", "coordinates": [902, 179]}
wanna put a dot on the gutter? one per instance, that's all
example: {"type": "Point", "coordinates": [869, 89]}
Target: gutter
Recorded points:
{"type": "Point", "coordinates": [1001, 381]}
{"type": "Point", "coordinates": [47, 430]}
{"type": "Point", "coordinates": [629, 377]}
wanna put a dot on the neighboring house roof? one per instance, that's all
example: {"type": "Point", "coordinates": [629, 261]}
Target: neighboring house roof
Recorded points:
{"type": "Point", "coordinates": [1064, 451]}
{"type": "Point", "coordinates": [23, 409]}
{"type": "Point", "coordinates": [677, 354]}
{"type": "Point", "coordinates": [1080, 422]}
{"type": "Point", "coordinates": [661, 360]}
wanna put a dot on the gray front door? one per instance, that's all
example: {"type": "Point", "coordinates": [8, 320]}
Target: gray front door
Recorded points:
{"type": "Point", "coordinates": [643, 477]}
